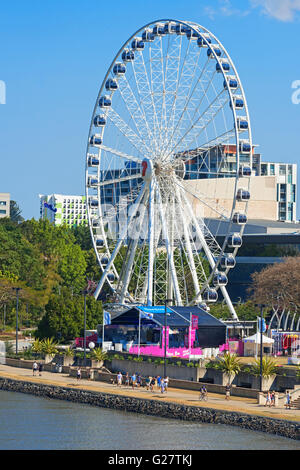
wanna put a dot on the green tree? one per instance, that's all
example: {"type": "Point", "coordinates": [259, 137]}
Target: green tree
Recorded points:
{"type": "Point", "coordinates": [64, 317]}
{"type": "Point", "coordinates": [15, 212]}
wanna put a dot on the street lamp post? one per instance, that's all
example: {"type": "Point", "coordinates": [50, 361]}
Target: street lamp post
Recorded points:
{"type": "Point", "coordinates": [165, 343]}
{"type": "Point", "coordinates": [17, 289]}
{"type": "Point", "coordinates": [261, 347]}
{"type": "Point", "coordinates": [84, 326]}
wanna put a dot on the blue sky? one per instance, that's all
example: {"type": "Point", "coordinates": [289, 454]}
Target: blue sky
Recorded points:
{"type": "Point", "coordinates": [54, 55]}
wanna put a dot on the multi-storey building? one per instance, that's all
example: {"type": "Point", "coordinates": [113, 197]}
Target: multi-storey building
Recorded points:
{"type": "Point", "coordinates": [4, 205]}
{"type": "Point", "coordinates": [274, 185]}
{"type": "Point", "coordinates": [63, 209]}
{"type": "Point", "coordinates": [286, 185]}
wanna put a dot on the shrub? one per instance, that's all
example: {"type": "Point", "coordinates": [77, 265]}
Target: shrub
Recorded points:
{"type": "Point", "coordinates": [179, 363]}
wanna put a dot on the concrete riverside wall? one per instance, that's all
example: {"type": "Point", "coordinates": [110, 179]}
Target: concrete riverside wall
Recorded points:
{"type": "Point", "coordinates": [156, 408]}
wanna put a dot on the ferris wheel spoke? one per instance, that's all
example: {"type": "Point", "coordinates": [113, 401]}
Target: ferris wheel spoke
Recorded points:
{"type": "Point", "coordinates": [128, 266]}
{"type": "Point", "coordinates": [136, 112]}
{"type": "Point", "coordinates": [119, 243]}
{"type": "Point", "coordinates": [128, 133]}
{"type": "Point", "coordinates": [200, 124]}
{"type": "Point", "coordinates": [118, 153]}
{"type": "Point", "coordinates": [188, 244]}
{"type": "Point", "coordinates": [189, 100]}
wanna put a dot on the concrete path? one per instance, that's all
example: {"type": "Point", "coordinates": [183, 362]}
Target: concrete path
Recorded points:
{"type": "Point", "coordinates": [186, 397]}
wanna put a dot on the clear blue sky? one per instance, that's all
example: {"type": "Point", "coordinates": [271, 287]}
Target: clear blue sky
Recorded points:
{"type": "Point", "coordinates": [54, 55]}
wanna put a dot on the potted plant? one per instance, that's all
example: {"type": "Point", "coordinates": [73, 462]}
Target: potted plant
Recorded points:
{"type": "Point", "coordinates": [269, 368]}
{"type": "Point", "coordinates": [98, 357]}
{"type": "Point", "coordinates": [68, 355]}
{"type": "Point", "coordinates": [229, 364]}
{"type": "Point", "coordinates": [49, 348]}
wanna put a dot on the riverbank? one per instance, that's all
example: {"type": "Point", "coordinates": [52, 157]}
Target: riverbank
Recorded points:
{"type": "Point", "coordinates": [176, 404]}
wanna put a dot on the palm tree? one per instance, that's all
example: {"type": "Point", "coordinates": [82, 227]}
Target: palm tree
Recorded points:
{"type": "Point", "coordinates": [49, 346]}
{"type": "Point", "coordinates": [99, 355]}
{"type": "Point", "coordinates": [269, 367]}
{"type": "Point", "coordinates": [37, 346]}
{"type": "Point", "coordinates": [230, 365]}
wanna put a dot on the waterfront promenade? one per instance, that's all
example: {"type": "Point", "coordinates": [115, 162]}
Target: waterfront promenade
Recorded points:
{"type": "Point", "coordinates": [176, 396]}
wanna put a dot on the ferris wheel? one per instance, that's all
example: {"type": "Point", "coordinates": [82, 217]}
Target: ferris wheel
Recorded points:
{"type": "Point", "coordinates": [168, 167]}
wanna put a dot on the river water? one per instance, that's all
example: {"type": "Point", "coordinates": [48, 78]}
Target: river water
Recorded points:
{"type": "Point", "coordinates": [33, 423]}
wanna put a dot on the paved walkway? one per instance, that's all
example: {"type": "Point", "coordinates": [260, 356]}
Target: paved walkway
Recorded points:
{"type": "Point", "coordinates": [186, 397]}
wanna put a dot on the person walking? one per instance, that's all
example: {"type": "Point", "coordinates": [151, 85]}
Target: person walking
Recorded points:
{"type": "Point", "coordinates": [133, 381]}
{"type": "Point", "coordinates": [147, 382]}
{"type": "Point", "coordinates": [288, 400]}
{"type": "Point", "coordinates": [203, 393]}
{"type": "Point", "coordinates": [166, 380]}
{"type": "Point", "coordinates": [227, 391]}
{"type": "Point", "coordinates": [158, 380]}
{"type": "Point", "coordinates": [162, 385]}
{"type": "Point", "coordinates": [152, 384]}
{"type": "Point", "coordinates": [34, 368]}
{"type": "Point", "coordinates": [40, 369]}
{"type": "Point", "coordinates": [119, 379]}
{"type": "Point", "coordinates": [127, 379]}
{"type": "Point", "coordinates": [268, 399]}
{"type": "Point", "coordinates": [78, 374]}
{"type": "Point", "coordinates": [272, 398]}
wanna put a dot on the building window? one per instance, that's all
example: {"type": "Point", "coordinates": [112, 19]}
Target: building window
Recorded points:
{"type": "Point", "coordinates": [2, 203]}
{"type": "Point", "coordinates": [2, 211]}
{"type": "Point", "coordinates": [282, 169]}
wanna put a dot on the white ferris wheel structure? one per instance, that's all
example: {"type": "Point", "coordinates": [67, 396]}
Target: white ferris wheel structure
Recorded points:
{"type": "Point", "coordinates": [168, 166]}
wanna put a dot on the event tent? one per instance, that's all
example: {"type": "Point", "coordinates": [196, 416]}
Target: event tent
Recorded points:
{"type": "Point", "coordinates": [251, 342]}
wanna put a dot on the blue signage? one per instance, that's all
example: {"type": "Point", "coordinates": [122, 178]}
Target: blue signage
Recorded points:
{"type": "Point", "coordinates": [49, 206]}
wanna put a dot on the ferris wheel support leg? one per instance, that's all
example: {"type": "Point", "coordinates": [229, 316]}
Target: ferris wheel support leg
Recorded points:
{"type": "Point", "coordinates": [151, 244]}
{"type": "Point", "coordinates": [119, 244]}
{"type": "Point", "coordinates": [210, 259]}
{"type": "Point", "coordinates": [128, 269]}
{"type": "Point", "coordinates": [169, 251]}
{"type": "Point", "coordinates": [188, 246]}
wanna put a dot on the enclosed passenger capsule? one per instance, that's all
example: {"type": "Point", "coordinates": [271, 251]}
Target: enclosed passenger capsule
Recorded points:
{"type": "Point", "coordinates": [119, 68]}
{"type": "Point", "coordinates": [180, 29]}
{"type": "Point", "coordinates": [192, 34]}
{"type": "Point", "coordinates": [223, 67]}
{"type": "Point", "coordinates": [95, 140]}
{"type": "Point", "coordinates": [148, 36]}
{"type": "Point", "coordinates": [105, 101]}
{"type": "Point", "coordinates": [227, 261]}
{"type": "Point", "coordinates": [242, 123]}
{"type": "Point", "coordinates": [245, 171]}
{"type": "Point", "coordinates": [220, 279]}
{"type": "Point", "coordinates": [92, 160]}
{"type": "Point", "coordinates": [127, 55]}
{"type": "Point", "coordinates": [111, 277]}
{"type": "Point", "coordinates": [159, 30]}
{"type": "Point", "coordinates": [111, 84]}
{"type": "Point", "coordinates": [239, 218]}
{"type": "Point", "coordinates": [99, 120]}
{"type": "Point", "coordinates": [203, 40]}
{"type": "Point", "coordinates": [204, 306]}
{"type": "Point", "coordinates": [210, 295]}
{"type": "Point", "coordinates": [245, 147]}
{"type": "Point", "coordinates": [99, 242]}
{"type": "Point", "coordinates": [230, 82]}
{"type": "Point", "coordinates": [170, 27]}
{"type": "Point", "coordinates": [238, 102]}
{"type": "Point", "coordinates": [92, 181]}
{"type": "Point", "coordinates": [234, 240]}
{"type": "Point", "coordinates": [104, 261]}
{"type": "Point", "coordinates": [95, 223]}
{"type": "Point", "coordinates": [93, 202]}
{"type": "Point", "coordinates": [137, 44]}
{"type": "Point", "coordinates": [214, 48]}
{"type": "Point", "coordinates": [242, 195]}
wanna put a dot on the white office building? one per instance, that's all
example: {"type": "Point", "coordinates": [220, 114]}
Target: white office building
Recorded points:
{"type": "Point", "coordinates": [4, 205]}
{"type": "Point", "coordinates": [63, 209]}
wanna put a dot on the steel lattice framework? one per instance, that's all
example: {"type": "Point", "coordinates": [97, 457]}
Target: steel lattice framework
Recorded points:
{"type": "Point", "coordinates": [170, 108]}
